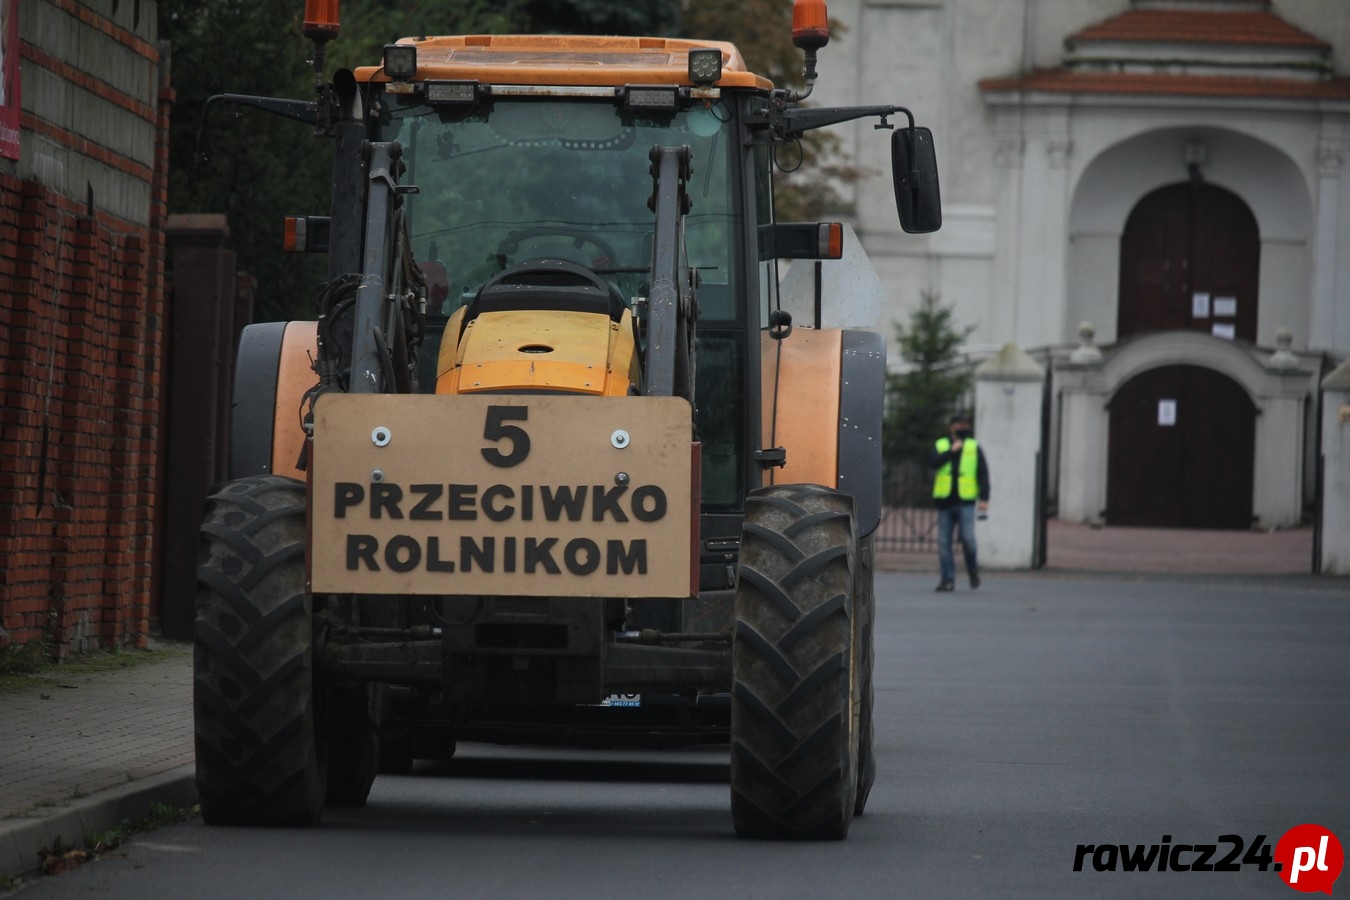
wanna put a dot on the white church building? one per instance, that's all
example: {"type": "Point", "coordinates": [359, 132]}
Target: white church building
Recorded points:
{"type": "Point", "coordinates": [1149, 197]}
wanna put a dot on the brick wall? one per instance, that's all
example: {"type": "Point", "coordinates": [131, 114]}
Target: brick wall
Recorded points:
{"type": "Point", "coordinates": [80, 335]}
{"type": "Point", "coordinates": [82, 308]}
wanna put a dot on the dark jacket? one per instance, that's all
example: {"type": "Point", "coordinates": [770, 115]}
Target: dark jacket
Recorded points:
{"type": "Point", "coordinates": [936, 461]}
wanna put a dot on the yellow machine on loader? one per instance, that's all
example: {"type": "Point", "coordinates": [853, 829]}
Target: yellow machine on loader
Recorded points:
{"type": "Point", "coordinates": [553, 462]}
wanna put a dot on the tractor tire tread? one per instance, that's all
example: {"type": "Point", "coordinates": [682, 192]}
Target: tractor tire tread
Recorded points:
{"type": "Point", "coordinates": [794, 742]}
{"type": "Point", "coordinates": [258, 759]}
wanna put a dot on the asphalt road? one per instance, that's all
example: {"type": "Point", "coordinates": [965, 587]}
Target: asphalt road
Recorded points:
{"type": "Point", "coordinates": [1014, 724]}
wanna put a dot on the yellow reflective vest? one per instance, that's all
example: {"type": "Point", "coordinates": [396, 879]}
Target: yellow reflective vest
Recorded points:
{"type": "Point", "coordinates": [967, 484]}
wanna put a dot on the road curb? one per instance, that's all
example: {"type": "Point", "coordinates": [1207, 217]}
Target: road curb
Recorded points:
{"type": "Point", "coordinates": [23, 838]}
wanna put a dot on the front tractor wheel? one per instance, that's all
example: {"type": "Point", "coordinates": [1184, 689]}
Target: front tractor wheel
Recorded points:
{"type": "Point", "coordinates": [864, 642]}
{"type": "Point", "coordinates": [796, 696]}
{"type": "Point", "coordinates": [259, 760]}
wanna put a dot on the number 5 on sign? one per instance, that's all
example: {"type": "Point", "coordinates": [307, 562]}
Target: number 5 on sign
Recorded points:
{"type": "Point", "coordinates": [495, 429]}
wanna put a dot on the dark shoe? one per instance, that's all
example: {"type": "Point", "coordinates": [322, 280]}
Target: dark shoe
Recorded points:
{"type": "Point", "coordinates": [946, 586]}
{"type": "Point", "coordinates": [974, 580]}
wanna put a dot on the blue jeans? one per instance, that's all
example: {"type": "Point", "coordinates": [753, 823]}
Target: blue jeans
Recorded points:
{"type": "Point", "coordinates": [961, 516]}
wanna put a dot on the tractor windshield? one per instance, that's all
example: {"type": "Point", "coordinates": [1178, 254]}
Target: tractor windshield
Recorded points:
{"type": "Point", "coordinates": [543, 177]}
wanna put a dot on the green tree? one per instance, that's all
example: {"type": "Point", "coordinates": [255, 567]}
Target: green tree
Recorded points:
{"type": "Point", "coordinates": [760, 29]}
{"type": "Point", "coordinates": [808, 176]}
{"type": "Point", "coordinates": [367, 25]}
{"type": "Point", "coordinates": [921, 397]}
{"type": "Point", "coordinates": [630, 17]}
{"type": "Point", "coordinates": [263, 168]}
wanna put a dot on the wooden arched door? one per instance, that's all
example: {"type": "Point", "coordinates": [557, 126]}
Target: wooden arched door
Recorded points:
{"type": "Point", "coordinates": [1182, 451]}
{"type": "Point", "coordinates": [1190, 258]}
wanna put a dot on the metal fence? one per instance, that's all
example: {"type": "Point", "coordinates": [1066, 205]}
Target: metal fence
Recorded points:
{"type": "Point", "coordinates": [908, 529]}
{"type": "Point", "coordinates": [908, 517]}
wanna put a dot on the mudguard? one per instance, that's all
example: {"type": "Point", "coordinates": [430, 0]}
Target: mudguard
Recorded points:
{"type": "Point", "coordinates": [823, 395]}
{"type": "Point", "coordinates": [271, 375]}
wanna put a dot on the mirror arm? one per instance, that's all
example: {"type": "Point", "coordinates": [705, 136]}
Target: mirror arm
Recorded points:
{"type": "Point", "coordinates": [780, 121]}
{"type": "Point", "coordinates": [300, 110]}
{"type": "Point", "coordinates": [799, 120]}
{"type": "Point", "coordinates": [306, 111]}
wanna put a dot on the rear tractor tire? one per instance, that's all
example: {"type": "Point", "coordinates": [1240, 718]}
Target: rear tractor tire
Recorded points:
{"type": "Point", "coordinates": [797, 695]}
{"type": "Point", "coordinates": [259, 757]}
{"type": "Point", "coordinates": [864, 624]}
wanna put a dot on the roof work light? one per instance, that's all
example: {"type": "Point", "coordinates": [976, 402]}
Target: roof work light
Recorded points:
{"type": "Point", "coordinates": [400, 61]}
{"type": "Point", "coordinates": [705, 65]}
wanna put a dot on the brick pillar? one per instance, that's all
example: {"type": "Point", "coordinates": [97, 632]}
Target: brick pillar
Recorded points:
{"type": "Point", "coordinates": [155, 439]}
{"type": "Point", "coordinates": [197, 392]}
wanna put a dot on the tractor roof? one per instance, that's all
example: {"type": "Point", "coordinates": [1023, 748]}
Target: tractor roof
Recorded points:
{"type": "Point", "coordinates": [566, 59]}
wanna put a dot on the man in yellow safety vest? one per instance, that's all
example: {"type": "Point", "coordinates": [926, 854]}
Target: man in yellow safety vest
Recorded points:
{"type": "Point", "coordinates": [960, 486]}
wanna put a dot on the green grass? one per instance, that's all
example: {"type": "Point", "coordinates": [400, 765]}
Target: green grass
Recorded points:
{"type": "Point", "coordinates": [29, 667]}
{"type": "Point", "coordinates": [160, 814]}
{"type": "Point", "coordinates": [24, 659]}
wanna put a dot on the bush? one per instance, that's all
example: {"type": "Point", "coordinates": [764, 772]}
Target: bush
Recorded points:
{"type": "Point", "coordinates": [920, 398]}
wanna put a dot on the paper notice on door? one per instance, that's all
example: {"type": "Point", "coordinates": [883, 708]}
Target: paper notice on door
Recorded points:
{"type": "Point", "coordinates": [1225, 306]}
{"type": "Point", "coordinates": [1227, 331]}
{"type": "Point", "coordinates": [1199, 306]}
{"type": "Point", "coordinates": [1167, 412]}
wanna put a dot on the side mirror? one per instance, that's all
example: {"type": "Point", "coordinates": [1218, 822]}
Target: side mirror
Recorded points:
{"type": "Point", "coordinates": [914, 168]}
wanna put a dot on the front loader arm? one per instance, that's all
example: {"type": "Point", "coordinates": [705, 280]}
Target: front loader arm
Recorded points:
{"type": "Point", "coordinates": [392, 290]}
{"type": "Point", "coordinates": [672, 309]}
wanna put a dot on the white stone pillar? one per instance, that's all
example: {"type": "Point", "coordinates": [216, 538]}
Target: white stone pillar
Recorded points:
{"type": "Point", "coordinates": [1330, 326]}
{"type": "Point", "coordinates": [1008, 394]}
{"type": "Point", "coordinates": [1277, 501]}
{"type": "Point", "coordinates": [1336, 472]}
{"type": "Point", "coordinates": [1009, 153]}
{"type": "Point", "coordinates": [1083, 428]}
{"type": "Point", "coordinates": [1040, 292]}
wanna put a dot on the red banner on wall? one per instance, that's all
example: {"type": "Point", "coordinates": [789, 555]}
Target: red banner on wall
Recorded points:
{"type": "Point", "coordinates": [9, 78]}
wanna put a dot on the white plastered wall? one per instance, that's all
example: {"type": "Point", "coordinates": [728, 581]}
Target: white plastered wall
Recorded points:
{"type": "Point", "coordinates": [1025, 253]}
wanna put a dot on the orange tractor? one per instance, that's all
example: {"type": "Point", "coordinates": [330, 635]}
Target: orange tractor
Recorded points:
{"type": "Point", "coordinates": [553, 462]}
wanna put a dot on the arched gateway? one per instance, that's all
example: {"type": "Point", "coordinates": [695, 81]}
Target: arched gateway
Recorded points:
{"type": "Point", "coordinates": [1190, 258]}
{"type": "Point", "coordinates": [1181, 451]}
{"type": "Point", "coordinates": [1182, 438]}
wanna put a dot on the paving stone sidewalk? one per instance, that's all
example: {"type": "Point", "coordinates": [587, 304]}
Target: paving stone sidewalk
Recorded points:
{"type": "Point", "coordinates": [80, 753]}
